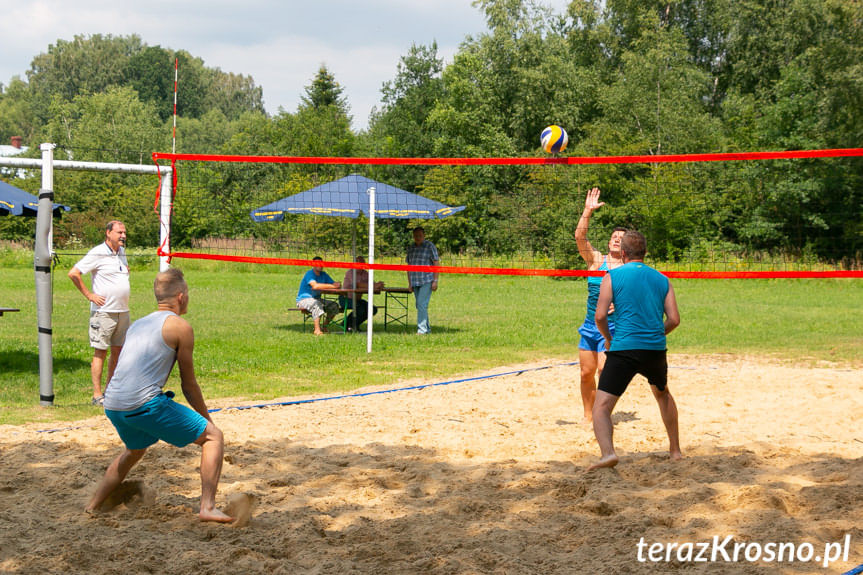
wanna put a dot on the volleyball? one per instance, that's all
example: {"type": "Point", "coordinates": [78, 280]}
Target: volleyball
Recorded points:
{"type": "Point", "coordinates": [554, 139]}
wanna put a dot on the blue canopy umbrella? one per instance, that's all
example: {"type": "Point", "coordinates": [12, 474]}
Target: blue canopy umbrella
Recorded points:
{"type": "Point", "coordinates": [348, 197]}
{"type": "Point", "coordinates": [17, 202]}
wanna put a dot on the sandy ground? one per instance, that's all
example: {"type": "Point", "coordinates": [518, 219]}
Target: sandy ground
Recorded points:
{"type": "Point", "coordinates": [485, 476]}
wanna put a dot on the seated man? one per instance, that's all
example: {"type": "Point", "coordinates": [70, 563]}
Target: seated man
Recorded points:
{"type": "Point", "coordinates": [309, 298]}
{"type": "Point", "coordinates": [362, 282]}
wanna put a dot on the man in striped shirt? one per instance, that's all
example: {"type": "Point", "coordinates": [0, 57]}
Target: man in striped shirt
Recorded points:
{"type": "Point", "coordinates": [422, 253]}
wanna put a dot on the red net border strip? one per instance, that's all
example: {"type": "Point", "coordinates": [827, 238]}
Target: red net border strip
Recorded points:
{"type": "Point", "coordinates": [568, 160]}
{"type": "Point", "coordinates": [512, 271]}
{"type": "Point", "coordinates": [571, 160]}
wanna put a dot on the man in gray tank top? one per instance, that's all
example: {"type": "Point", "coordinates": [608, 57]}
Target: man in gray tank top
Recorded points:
{"type": "Point", "coordinates": [143, 414]}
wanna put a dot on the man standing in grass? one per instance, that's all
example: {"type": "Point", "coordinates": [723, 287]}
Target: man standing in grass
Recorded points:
{"type": "Point", "coordinates": [143, 414]}
{"type": "Point", "coordinates": [422, 253]}
{"type": "Point", "coordinates": [641, 296]}
{"type": "Point", "coordinates": [109, 301]}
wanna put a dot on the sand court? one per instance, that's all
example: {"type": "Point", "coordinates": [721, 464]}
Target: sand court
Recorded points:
{"type": "Point", "coordinates": [485, 476]}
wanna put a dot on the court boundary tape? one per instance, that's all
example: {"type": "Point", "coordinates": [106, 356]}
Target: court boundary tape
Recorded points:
{"type": "Point", "coordinates": [408, 388]}
{"type": "Point", "coordinates": [855, 571]}
{"type": "Point", "coordinates": [391, 390]}
{"type": "Point", "coordinates": [378, 392]}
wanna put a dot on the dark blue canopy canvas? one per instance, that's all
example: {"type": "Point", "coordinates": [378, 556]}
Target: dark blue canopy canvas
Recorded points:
{"type": "Point", "coordinates": [348, 197]}
{"type": "Point", "coordinates": [17, 202]}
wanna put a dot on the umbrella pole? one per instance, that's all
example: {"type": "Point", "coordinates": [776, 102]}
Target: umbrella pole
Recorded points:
{"type": "Point", "coordinates": [354, 275]}
{"type": "Point", "coordinates": [354, 242]}
{"type": "Point", "coordinates": [369, 329]}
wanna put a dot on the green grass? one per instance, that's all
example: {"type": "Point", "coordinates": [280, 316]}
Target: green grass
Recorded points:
{"type": "Point", "coordinates": [248, 346]}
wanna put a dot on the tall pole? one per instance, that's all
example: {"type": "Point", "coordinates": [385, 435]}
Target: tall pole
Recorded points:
{"type": "Point", "coordinates": [166, 192]}
{"type": "Point", "coordinates": [165, 209]}
{"type": "Point", "coordinates": [42, 264]}
{"type": "Point", "coordinates": [353, 273]}
{"type": "Point", "coordinates": [371, 192]}
{"type": "Point", "coordinates": [174, 132]}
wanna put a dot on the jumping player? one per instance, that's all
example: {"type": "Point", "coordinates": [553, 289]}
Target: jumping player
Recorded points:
{"type": "Point", "coordinates": [591, 347]}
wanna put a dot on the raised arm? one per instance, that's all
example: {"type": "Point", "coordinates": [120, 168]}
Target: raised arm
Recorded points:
{"type": "Point", "coordinates": [590, 255]}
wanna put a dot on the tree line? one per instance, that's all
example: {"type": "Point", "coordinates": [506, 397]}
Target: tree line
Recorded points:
{"type": "Point", "coordinates": [624, 77]}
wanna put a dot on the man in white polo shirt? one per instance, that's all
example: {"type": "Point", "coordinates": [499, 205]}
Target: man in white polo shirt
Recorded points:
{"type": "Point", "coordinates": [109, 301]}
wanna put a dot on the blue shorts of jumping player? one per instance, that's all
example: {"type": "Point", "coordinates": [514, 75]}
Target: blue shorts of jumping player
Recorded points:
{"type": "Point", "coordinates": [160, 418]}
{"type": "Point", "coordinates": [591, 339]}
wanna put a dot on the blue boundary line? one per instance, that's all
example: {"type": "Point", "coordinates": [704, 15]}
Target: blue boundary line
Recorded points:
{"type": "Point", "coordinates": [353, 395]}
{"type": "Point", "coordinates": [410, 388]}
{"type": "Point", "coordinates": [382, 391]}
{"type": "Point", "coordinates": [366, 394]}
{"type": "Point", "coordinates": [856, 571]}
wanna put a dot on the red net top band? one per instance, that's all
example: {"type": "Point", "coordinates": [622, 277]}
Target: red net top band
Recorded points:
{"type": "Point", "coordinates": [512, 271]}
{"type": "Point", "coordinates": [568, 160]}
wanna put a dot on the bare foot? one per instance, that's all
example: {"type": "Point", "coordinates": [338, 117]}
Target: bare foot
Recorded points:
{"type": "Point", "coordinates": [676, 456]}
{"type": "Point", "coordinates": [320, 333]}
{"type": "Point", "coordinates": [587, 422]}
{"type": "Point", "coordinates": [608, 461]}
{"type": "Point", "coordinates": [214, 515]}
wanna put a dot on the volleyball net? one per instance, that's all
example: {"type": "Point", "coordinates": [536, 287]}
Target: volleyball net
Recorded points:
{"type": "Point", "coordinates": [730, 215]}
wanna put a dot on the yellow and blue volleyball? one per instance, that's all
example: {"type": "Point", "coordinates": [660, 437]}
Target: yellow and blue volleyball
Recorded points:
{"type": "Point", "coordinates": [554, 139]}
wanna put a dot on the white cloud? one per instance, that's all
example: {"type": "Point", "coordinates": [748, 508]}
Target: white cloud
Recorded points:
{"type": "Point", "coordinates": [280, 44]}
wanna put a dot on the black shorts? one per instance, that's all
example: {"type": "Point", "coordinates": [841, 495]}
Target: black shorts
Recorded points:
{"type": "Point", "coordinates": [621, 367]}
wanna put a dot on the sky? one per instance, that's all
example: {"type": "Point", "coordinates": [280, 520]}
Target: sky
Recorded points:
{"type": "Point", "coordinates": [280, 43]}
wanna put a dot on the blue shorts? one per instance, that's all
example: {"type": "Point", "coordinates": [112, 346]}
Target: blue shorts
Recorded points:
{"type": "Point", "coordinates": [591, 339]}
{"type": "Point", "coordinates": [160, 418]}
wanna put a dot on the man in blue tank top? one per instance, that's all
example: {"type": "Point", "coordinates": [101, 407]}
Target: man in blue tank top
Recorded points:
{"type": "Point", "coordinates": [642, 297]}
{"type": "Point", "coordinates": [591, 346]}
{"type": "Point", "coordinates": [143, 414]}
